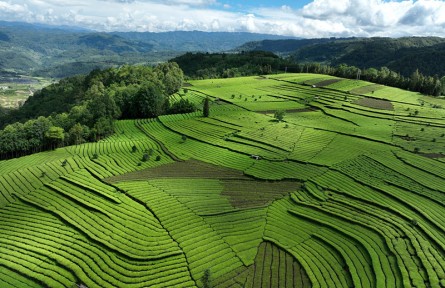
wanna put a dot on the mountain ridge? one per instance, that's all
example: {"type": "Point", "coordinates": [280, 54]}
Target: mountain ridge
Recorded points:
{"type": "Point", "coordinates": [405, 54]}
{"type": "Point", "coordinates": [55, 51]}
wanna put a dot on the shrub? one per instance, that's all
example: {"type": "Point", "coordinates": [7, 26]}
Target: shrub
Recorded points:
{"type": "Point", "coordinates": [145, 157]}
{"type": "Point", "coordinates": [158, 158]}
{"type": "Point", "coordinates": [206, 107]}
{"type": "Point", "coordinates": [279, 115]}
{"type": "Point", "coordinates": [206, 279]}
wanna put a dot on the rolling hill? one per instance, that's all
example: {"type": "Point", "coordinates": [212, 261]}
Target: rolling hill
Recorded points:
{"type": "Point", "coordinates": [347, 191]}
{"type": "Point", "coordinates": [43, 50]}
{"type": "Point", "coordinates": [404, 55]}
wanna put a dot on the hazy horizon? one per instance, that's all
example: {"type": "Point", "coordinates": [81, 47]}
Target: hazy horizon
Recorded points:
{"type": "Point", "coordinates": [308, 19]}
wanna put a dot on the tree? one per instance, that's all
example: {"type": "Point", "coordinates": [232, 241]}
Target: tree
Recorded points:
{"type": "Point", "coordinates": [206, 107]}
{"type": "Point", "coordinates": [206, 279]}
{"type": "Point", "coordinates": [415, 80]}
{"type": "Point", "coordinates": [77, 134]}
{"type": "Point", "coordinates": [279, 115]}
{"type": "Point", "coordinates": [103, 127]}
{"type": "Point", "coordinates": [182, 106]}
{"type": "Point", "coordinates": [149, 101]}
{"type": "Point", "coordinates": [442, 82]}
{"type": "Point", "coordinates": [171, 76]}
{"type": "Point", "coordinates": [55, 136]}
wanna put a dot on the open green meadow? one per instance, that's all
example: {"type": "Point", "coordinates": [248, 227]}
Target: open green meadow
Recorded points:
{"type": "Point", "coordinates": [347, 191]}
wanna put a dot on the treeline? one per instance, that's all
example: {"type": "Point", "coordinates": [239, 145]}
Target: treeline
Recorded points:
{"type": "Point", "coordinates": [83, 108]}
{"type": "Point", "coordinates": [225, 65]}
{"type": "Point", "coordinates": [429, 85]}
{"type": "Point", "coordinates": [220, 65]}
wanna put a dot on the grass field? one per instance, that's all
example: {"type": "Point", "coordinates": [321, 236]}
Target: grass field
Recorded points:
{"type": "Point", "coordinates": [347, 191]}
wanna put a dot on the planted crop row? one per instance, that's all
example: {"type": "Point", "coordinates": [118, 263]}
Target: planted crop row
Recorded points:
{"type": "Point", "coordinates": [203, 247]}
{"type": "Point", "coordinates": [283, 170]}
{"type": "Point", "coordinates": [216, 136]}
{"type": "Point", "coordinates": [275, 268]}
{"type": "Point", "coordinates": [197, 150]}
{"type": "Point", "coordinates": [242, 230]}
{"type": "Point", "coordinates": [403, 216]}
{"type": "Point", "coordinates": [310, 143]}
{"type": "Point", "coordinates": [202, 196]}
{"type": "Point", "coordinates": [91, 263]}
{"type": "Point", "coordinates": [115, 226]}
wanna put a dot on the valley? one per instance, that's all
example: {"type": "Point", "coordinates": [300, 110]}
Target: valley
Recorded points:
{"type": "Point", "coordinates": [343, 188]}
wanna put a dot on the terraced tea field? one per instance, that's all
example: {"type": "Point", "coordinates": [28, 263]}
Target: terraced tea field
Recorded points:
{"type": "Point", "coordinates": [347, 191]}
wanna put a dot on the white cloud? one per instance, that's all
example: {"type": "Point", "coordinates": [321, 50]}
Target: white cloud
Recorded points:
{"type": "Point", "coordinates": [319, 18]}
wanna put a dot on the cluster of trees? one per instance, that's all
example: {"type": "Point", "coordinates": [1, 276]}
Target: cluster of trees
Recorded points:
{"type": "Point", "coordinates": [223, 65]}
{"type": "Point", "coordinates": [83, 108]}
{"type": "Point", "coordinates": [430, 85]}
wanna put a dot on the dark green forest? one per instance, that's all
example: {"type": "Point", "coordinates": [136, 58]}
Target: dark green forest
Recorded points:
{"type": "Point", "coordinates": [82, 108]}
{"type": "Point", "coordinates": [228, 65]}
{"type": "Point", "coordinates": [404, 55]}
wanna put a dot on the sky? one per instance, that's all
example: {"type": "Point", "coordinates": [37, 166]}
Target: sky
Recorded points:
{"type": "Point", "coordinates": [306, 18]}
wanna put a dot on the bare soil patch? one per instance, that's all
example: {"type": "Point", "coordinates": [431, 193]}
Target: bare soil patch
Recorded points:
{"type": "Point", "coordinates": [375, 103]}
{"type": "Point", "coordinates": [327, 82]}
{"type": "Point", "coordinates": [307, 109]}
{"type": "Point", "coordinates": [186, 169]}
{"type": "Point", "coordinates": [367, 89]}
{"type": "Point", "coordinates": [253, 193]}
{"type": "Point", "coordinates": [432, 155]}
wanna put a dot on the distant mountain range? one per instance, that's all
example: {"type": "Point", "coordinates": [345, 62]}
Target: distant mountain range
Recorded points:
{"type": "Point", "coordinates": [44, 50]}
{"type": "Point", "coordinates": [404, 55]}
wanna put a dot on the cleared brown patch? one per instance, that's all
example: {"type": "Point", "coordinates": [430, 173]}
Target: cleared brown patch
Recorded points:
{"type": "Point", "coordinates": [186, 84]}
{"type": "Point", "coordinates": [375, 103]}
{"type": "Point", "coordinates": [252, 193]}
{"type": "Point", "coordinates": [186, 169]}
{"type": "Point", "coordinates": [432, 155]}
{"type": "Point", "coordinates": [327, 82]}
{"type": "Point", "coordinates": [367, 89]}
{"type": "Point", "coordinates": [307, 109]}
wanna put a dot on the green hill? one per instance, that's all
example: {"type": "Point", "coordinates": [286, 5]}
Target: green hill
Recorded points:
{"type": "Point", "coordinates": [346, 191]}
{"type": "Point", "coordinates": [403, 55]}
{"type": "Point", "coordinates": [59, 52]}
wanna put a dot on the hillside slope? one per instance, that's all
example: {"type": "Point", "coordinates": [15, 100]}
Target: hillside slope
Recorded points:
{"type": "Point", "coordinates": [404, 55]}
{"type": "Point", "coordinates": [347, 191]}
{"type": "Point", "coordinates": [63, 51]}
